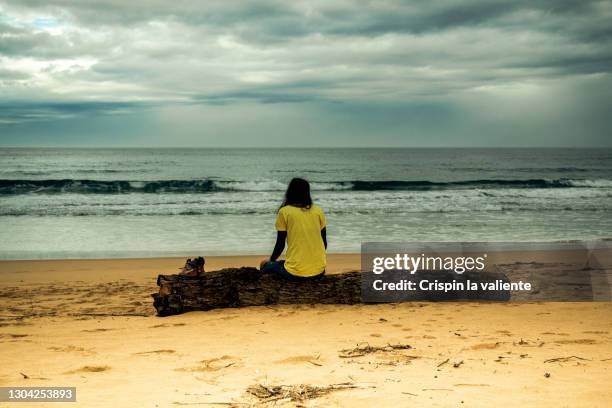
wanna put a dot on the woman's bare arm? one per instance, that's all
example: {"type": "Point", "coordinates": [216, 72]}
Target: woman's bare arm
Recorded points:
{"type": "Point", "coordinates": [324, 236]}
{"type": "Point", "coordinates": [281, 237]}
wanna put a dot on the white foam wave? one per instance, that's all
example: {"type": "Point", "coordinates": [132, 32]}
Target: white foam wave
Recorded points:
{"type": "Point", "coordinates": [601, 183]}
{"type": "Point", "coordinates": [275, 185]}
{"type": "Point", "coordinates": [259, 185]}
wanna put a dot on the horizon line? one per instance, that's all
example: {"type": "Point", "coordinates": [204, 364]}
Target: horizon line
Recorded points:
{"type": "Point", "coordinates": [303, 147]}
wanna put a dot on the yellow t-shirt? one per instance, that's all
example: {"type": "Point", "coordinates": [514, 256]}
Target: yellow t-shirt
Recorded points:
{"type": "Point", "coordinates": [305, 252]}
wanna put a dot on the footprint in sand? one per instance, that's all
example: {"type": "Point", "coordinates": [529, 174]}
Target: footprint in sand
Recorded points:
{"type": "Point", "coordinates": [18, 323]}
{"type": "Point", "coordinates": [89, 369]}
{"type": "Point", "coordinates": [157, 326]}
{"type": "Point", "coordinates": [166, 325]}
{"type": "Point", "coordinates": [13, 335]}
{"type": "Point", "coordinates": [96, 330]}
{"type": "Point", "coordinates": [162, 351]}
{"type": "Point", "coordinates": [213, 364]}
{"type": "Point", "coordinates": [485, 346]}
{"type": "Point", "coordinates": [305, 359]}
{"type": "Point", "coordinates": [70, 349]}
{"type": "Point", "coordinates": [577, 341]}
{"type": "Point", "coordinates": [472, 385]}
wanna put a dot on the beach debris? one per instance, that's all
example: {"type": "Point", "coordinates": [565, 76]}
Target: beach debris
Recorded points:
{"type": "Point", "coordinates": [547, 375]}
{"type": "Point", "coordinates": [444, 362]}
{"type": "Point", "coordinates": [527, 343]}
{"type": "Point", "coordinates": [27, 377]}
{"type": "Point", "coordinates": [367, 349]}
{"type": "Point", "coordinates": [458, 364]}
{"type": "Point", "coordinates": [565, 359]}
{"type": "Point", "coordinates": [295, 393]}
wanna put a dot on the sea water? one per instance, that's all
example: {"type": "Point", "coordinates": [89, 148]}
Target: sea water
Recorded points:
{"type": "Point", "coordinates": [73, 203]}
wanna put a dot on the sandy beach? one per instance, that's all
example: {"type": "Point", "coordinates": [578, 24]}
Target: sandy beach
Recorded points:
{"type": "Point", "coordinates": [90, 324]}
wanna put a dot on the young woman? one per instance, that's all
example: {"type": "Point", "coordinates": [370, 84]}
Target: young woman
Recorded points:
{"type": "Point", "coordinates": [302, 224]}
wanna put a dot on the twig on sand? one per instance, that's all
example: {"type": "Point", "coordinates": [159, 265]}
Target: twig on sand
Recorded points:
{"type": "Point", "coordinates": [362, 351]}
{"type": "Point", "coordinates": [444, 362]}
{"type": "Point", "coordinates": [298, 392]}
{"type": "Point", "coordinates": [565, 359]}
{"type": "Point", "coordinates": [458, 364]}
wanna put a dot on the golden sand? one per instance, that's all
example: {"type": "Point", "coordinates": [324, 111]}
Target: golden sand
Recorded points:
{"type": "Point", "coordinates": [90, 324]}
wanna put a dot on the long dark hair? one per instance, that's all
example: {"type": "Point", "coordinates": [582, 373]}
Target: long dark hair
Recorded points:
{"type": "Point", "coordinates": [298, 194]}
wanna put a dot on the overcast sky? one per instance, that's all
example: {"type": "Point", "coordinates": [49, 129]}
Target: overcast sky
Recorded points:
{"type": "Point", "coordinates": [292, 73]}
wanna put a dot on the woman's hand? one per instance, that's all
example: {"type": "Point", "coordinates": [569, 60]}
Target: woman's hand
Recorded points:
{"type": "Point", "coordinates": [263, 262]}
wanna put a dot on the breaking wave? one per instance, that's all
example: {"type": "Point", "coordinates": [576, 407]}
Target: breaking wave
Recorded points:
{"type": "Point", "coordinates": [11, 187]}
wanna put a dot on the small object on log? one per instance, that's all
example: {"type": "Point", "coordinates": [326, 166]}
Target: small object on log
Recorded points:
{"type": "Point", "coordinates": [246, 286]}
{"type": "Point", "coordinates": [193, 267]}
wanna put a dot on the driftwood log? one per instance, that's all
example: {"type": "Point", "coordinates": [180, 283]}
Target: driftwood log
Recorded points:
{"type": "Point", "coordinates": [238, 287]}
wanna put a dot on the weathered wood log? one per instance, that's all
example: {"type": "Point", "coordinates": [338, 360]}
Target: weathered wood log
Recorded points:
{"type": "Point", "coordinates": [238, 287]}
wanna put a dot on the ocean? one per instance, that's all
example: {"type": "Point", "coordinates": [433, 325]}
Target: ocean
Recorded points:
{"type": "Point", "coordinates": [100, 203]}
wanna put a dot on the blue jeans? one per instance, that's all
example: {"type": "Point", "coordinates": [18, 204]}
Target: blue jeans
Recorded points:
{"type": "Point", "coordinates": [278, 268]}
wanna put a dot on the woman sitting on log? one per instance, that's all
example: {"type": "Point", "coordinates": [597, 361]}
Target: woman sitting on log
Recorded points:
{"type": "Point", "coordinates": [302, 224]}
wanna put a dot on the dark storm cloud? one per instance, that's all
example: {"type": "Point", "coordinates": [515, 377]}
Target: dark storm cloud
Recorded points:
{"type": "Point", "coordinates": [17, 112]}
{"type": "Point", "coordinates": [60, 59]}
